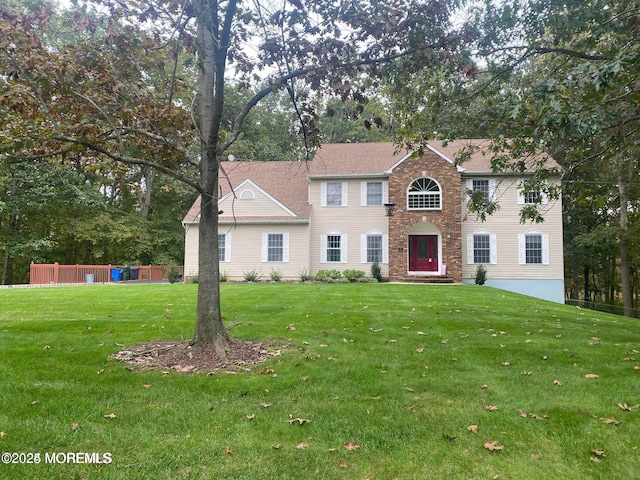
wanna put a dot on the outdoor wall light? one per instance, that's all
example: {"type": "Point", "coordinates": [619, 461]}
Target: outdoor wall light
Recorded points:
{"type": "Point", "coordinates": [389, 209]}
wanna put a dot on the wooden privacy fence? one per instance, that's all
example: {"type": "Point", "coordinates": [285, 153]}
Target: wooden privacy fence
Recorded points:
{"type": "Point", "coordinates": [45, 274]}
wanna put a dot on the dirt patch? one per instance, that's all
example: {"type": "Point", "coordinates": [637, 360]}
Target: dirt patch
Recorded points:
{"type": "Point", "coordinates": [186, 358]}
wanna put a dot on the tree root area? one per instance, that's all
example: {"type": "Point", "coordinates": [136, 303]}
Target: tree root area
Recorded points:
{"type": "Point", "coordinates": [184, 357]}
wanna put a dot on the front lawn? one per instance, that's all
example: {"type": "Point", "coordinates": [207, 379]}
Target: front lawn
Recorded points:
{"type": "Point", "coordinates": [375, 381]}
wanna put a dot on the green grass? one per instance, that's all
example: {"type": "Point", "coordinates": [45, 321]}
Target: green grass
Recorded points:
{"type": "Point", "coordinates": [397, 369]}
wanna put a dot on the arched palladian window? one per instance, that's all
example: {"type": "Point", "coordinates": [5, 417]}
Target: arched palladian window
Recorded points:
{"type": "Point", "coordinates": [424, 194]}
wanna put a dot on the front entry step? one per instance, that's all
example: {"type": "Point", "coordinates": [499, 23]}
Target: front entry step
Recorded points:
{"type": "Point", "coordinates": [425, 279]}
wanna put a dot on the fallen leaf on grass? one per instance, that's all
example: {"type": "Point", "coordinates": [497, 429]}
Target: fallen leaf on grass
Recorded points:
{"type": "Point", "coordinates": [351, 445]}
{"type": "Point", "coordinates": [491, 408]}
{"type": "Point", "coordinates": [110, 415]}
{"type": "Point", "coordinates": [558, 383]}
{"type": "Point", "coordinates": [251, 417]}
{"type": "Point", "coordinates": [522, 413]}
{"type": "Point", "coordinates": [506, 364]}
{"type": "Point", "coordinates": [265, 405]}
{"type": "Point", "coordinates": [146, 385]}
{"type": "Point", "coordinates": [484, 386]}
{"type": "Point", "coordinates": [304, 378]}
{"type": "Point", "coordinates": [591, 376]}
{"type": "Point", "coordinates": [419, 350]}
{"type": "Point", "coordinates": [610, 421]}
{"type": "Point", "coordinates": [493, 446]}
{"type": "Point", "coordinates": [637, 367]}
{"type": "Point", "coordinates": [343, 464]}
{"type": "Point", "coordinates": [420, 333]}
{"type": "Point", "coordinates": [626, 408]}
{"type": "Point", "coordinates": [276, 447]}
{"type": "Point", "coordinates": [473, 428]}
{"type": "Point", "coordinates": [301, 421]}
{"type": "Point", "coordinates": [291, 327]}
{"type": "Point", "coordinates": [74, 427]}
{"type": "Point", "coordinates": [302, 446]}
{"type": "Point", "coordinates": [598, 453]}
{"type": "Point", "coordinates": [228, 451]}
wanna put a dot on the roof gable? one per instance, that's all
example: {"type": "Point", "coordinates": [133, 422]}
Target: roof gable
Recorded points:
{"type": "Point", "coordinates": [249, 200]}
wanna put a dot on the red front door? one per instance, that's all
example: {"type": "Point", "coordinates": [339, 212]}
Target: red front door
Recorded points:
{"type": "Point", "coordinates": [423, 253]}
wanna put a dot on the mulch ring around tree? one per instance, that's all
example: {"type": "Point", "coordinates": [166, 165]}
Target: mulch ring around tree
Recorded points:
{"type": "Point", "coordinates": [183, 357]}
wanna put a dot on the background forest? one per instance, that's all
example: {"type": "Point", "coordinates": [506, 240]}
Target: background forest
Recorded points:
{"type": "Point", "coordinates": [562, 77]}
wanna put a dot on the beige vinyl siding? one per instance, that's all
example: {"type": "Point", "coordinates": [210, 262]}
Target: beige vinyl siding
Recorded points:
{"type": "Point", "coordinates": [191, 250]}
{"type": "Point", "coordinates": [352, 221]}
{"type": "Point", "coordinates": [505, 225]}
{"type": "Point", "coordinates": [251, 201]}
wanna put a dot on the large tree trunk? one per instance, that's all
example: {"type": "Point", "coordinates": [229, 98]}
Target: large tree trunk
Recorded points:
{"type": "Point", "coordinates": [213, 42]}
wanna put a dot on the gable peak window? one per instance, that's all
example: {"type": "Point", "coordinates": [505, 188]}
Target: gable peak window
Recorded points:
{"type": "Point", "coordinates": [424, 194]}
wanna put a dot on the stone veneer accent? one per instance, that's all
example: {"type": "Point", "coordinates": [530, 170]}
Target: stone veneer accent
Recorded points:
{"type": "Point", "coordinates": [448, 220]}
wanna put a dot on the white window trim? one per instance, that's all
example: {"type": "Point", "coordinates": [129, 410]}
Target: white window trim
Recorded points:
{"type": "Point", "coordinates": [265, 247]}
{"type": "Point", "coordinates": [343, 247]}
{"type": "Point", "coordinates": [363, 246]}
{"type": "Point", "coordinates": [227, 247]}
{"type": "Point", "coordinates": [493, 247]}
{"type": "Point", "coordinates": [363, 192]}
{"type": "Point", "coordinates": [522, 248]}
{"type": "Point", "coordinates": [343, 199]}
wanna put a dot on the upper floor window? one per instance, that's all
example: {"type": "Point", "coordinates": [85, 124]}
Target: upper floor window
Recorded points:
{"type": "Point", "coordinates": [372, 193]}
{"type": "Point", "coordinates": [530, 194]}
{"type": "Point", "coordinates": [424, 194]}
{"type": "Point", "coordinates": [482, 185]}
{"type": "Point", "coordinates": [334, 194]}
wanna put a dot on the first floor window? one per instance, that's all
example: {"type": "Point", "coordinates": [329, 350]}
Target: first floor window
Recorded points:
{"type": "Point", "coordinates": [224, 247]}
{"type": "Point", "coordinates": [374, 248]}
{"type": "Point", "coordinates": [333, 248]}
{"type": "Point", "coordinates": [275, 247]}
{"type": "Point", "coordinates": [533, 248]}
{"type": "Point", "coordinates": [481, 248]}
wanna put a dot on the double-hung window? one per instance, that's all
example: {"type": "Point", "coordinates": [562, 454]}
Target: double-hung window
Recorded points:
{"type": "Point", "coordinates": [533, 248]}
{"type": "Point", "coordinates": [333, 248]}
{"type": "Point", "coordinates": [374, 247]}
{"type": "Point", "coordinates": [334, 194]}
{"type": "Point", "coordinates": [275, 247]}
{"type": "Point", "coordinates": [482, 248]}
{"type": "Point", "coordinates": [224, 247]}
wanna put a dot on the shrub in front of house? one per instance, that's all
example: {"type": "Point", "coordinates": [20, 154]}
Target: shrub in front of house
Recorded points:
{"type": "Point", "coordinates": [251, 276]}
{"type": "Point", "coordinates": [353, 275]}
{"type": "Point", "coordinates": [275, 276]}
{"type": "Point", "coordinates": [376, 271]}
{"type": "Point", "coordinates": [328, 276]}
{"type": "Point", "coordinates": [481, 275]}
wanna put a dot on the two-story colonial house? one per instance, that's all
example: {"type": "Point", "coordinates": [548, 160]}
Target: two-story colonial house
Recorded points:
{"type": "Point", "coordinates": [329, 213]}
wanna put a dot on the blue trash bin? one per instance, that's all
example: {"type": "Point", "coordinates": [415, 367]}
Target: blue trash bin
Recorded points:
{"type": "Point", "coordinates": [116, 274]}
